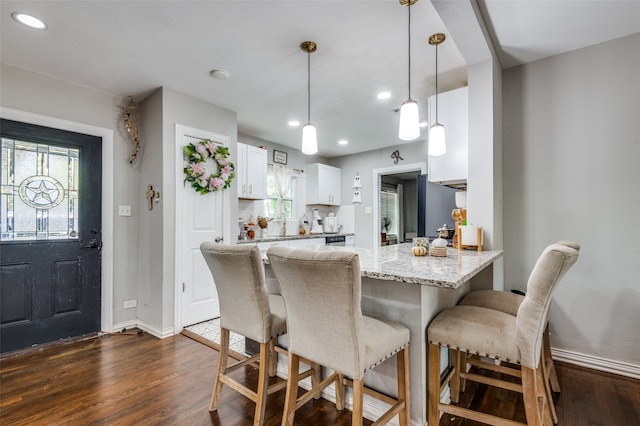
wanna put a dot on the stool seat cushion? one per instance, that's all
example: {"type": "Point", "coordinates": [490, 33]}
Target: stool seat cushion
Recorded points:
{"type": "Point", "coordinates": [476, 330]}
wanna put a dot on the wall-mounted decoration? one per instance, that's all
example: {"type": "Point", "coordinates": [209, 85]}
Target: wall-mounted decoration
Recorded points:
{"type": "Point", "coordinates": [279, 157]}
{"type": "Point", "coordinates": [396, 156]}
{"type": "Point", "coordinates": [131, 120]}
{"type": "Point", "coordinates": [357, 185]}
{"type": "Point", "coordinates": [196, 173]}
{"type": "Point", "coordinates": [151, 195]}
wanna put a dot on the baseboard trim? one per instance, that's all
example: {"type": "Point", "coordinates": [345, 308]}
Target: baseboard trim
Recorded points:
{"type": "Point", "coordinates": [160, 333]}
{"type": "Point", "coordinates": [596, 363]}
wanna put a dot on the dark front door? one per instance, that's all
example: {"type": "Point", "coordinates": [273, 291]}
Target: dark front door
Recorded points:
{"type": "Point", "coordinates": [50, 239]}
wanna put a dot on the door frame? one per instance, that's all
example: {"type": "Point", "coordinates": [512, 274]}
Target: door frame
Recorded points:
{"type": "Point", "coordinates": [107, 135]}
{"type": "Point", "coordinates": [181, 132]}
{"type": "Point", "coordinates": [377, 173]}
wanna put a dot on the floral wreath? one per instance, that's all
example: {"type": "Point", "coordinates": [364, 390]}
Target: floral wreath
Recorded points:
{"type": "Point", "coordinates": [195, 172]}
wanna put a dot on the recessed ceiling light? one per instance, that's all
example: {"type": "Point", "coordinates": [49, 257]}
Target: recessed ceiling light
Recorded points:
{"type": "Point", "coordinates": [294, 123]}
{"type": "Point", "coordinates": [219, 74]}
{"type": "Point", "coordinates": [343, 142]}
{"type": "Point", "coordinates": [28, 20]}
{"type": "Point", "coordinates": [423, 124]}
{"type": "Point", "coordinates": [384, 95]}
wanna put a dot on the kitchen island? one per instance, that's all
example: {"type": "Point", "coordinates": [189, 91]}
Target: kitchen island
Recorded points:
{"type": "Point", "coordinates": [412, 290]}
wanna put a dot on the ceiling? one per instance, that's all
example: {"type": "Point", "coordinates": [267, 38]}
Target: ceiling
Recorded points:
{"type": "Point", "coordinates": [130, 48]}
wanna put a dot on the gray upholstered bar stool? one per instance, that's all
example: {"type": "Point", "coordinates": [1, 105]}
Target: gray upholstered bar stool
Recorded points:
{"type": "Point", "coordinates": [321, 290]}
{"type": "Point", "coordinates": [509, 303]}
{"type": "Point", "coordinates": [246, 309]}
{"type": "Point", "coordinates": [500, 336]}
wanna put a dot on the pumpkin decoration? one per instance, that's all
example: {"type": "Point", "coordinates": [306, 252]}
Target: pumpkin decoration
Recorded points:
{"type": "Point", "coordinates": [419, 251]}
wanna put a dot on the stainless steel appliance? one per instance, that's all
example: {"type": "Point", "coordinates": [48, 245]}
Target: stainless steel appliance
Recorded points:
{"type": "Point", "coordinates": [335, 240]}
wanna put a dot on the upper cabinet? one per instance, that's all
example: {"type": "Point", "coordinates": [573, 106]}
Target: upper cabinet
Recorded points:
{"type": "Point", "coordinates": [251, 172]}
{"type": "Point", "coordinates": [453, 113]}
{"type": "Point", "coordinates": [324, 184]}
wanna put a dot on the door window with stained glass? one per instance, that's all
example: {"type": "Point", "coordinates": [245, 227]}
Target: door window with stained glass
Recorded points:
{"type": "Point", "coordinates": [39, 194]}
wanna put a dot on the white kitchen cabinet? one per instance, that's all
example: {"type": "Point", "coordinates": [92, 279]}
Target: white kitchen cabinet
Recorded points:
{"type": "Point", "coordinates": [308, 243]}
{"type": "Point", "coordinates": [264, 246]}
{"type": "Point", "coordinates": [251, 172]}
{"type": "Point", "coordinates": [453, 114]}
{"type": "Point", "coordinates": [324, 184]}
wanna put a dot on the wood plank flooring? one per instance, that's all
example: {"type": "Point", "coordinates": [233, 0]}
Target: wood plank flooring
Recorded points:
{"type": "Point", "coordinates": [141, 380]}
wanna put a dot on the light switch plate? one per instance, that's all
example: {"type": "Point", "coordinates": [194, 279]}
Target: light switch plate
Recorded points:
{"type": "Point", "coordinates": [367, 210]}
{"type": "Point", "coordinates": [124, 210]}
{"type": "Point", "coordinates": [130, 303]}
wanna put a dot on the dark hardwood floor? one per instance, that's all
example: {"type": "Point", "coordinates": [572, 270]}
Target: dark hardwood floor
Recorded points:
{"type": "Point", "coordinates": [141, 380]}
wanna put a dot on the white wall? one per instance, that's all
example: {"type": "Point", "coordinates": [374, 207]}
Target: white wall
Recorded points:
{"type": "Point", "coordinates": [571, 170]}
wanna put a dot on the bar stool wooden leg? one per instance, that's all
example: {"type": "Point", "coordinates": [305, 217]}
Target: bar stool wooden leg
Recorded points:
{"type": "Point", "coordinates": [273, 358]}
{"type": "Point", "coordinates": [433, 406]}
{"type": "Point", "coordinates": [340, 392]}
{"type": "Point", "coordinates": [358, 401]}
{"type": "Point", "coordinates": [535, 400]}
{"type": "Point", "coordinates": [463, 369]}
{"type": "Point", "coordinates": [454, 383]}
{"type": "Point", "coordinates": [292, 391]}
{"type": "Point", "coordinates": [316, 379]}
{"type": "Point", "coordinates": [222, 368]}
{"type": "Point", "coordinates": [404, 387]}
{"type": "Point", "coordinates": [549, 366]}
{"type": "Point", "coordinates": [263, 383]}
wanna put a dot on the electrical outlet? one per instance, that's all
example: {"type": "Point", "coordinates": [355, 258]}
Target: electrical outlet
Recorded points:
{"type": "Point", "coordinates": [367, 210]}
{"type": "Point", "coordinates": [124, 210]}
{"type": "Point", "coordinates": [130, 303]}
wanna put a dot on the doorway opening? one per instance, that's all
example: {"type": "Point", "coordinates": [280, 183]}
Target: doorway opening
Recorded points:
{"type": "Point", "coordinates": [106, 253]}
{"type": "Point", "coordinates": [395, 206]}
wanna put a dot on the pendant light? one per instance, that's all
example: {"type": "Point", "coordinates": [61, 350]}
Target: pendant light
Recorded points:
{"type": "Point", "coordinates": [309, 137]}
{"type": "Point", "coordinates": [437, 145]}
{"type": "Point", "coordinates": [409, 116]}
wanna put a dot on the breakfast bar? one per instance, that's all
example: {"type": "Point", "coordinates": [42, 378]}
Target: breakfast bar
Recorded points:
{"type": "Point", "coordinates": [412, 290]}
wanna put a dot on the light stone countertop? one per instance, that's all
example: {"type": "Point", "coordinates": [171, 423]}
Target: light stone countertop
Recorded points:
{"type": "Point", "coordinates": [292, 237]}
{"type": "Point", "coordinates": [396, 263]}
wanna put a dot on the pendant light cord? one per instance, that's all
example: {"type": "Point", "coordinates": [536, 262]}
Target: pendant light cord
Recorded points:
{"type": "Point", "coordinates": [308, 87]}
{"type": "Point", "coordinates": [409, 48]}
{"type": "Point", "coordinates": [437, 82]}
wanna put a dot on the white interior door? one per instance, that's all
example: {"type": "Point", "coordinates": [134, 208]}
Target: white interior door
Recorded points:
{"type": "Point", "coordinates": [200, 218]}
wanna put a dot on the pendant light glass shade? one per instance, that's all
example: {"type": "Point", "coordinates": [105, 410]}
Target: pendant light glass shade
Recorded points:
{"type": "Point", "coordinates": [437, 145]}
{"type": "Point", "coordinates": [409, 115]}
{"type": "Point", "coordinates": [409, 121]}
{"type": "Point", "coordinates": [309, 139]}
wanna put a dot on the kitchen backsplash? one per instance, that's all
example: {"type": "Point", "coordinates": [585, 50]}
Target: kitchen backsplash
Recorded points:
{"type": "Point", "coordinates": [255, 208]}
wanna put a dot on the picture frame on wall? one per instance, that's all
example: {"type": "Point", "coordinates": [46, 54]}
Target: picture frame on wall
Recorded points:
{"type": "Point", "coordinates": [279, 157]}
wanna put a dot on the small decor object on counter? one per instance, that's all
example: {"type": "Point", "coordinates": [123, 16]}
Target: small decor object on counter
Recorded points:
{"type": "Point", "coordinates": [439, 247]}
{"type": "Point", "coordinates": [445, 231]}
{"type": "Point", "coordinates": [438, 251]}
{"type": "Point", "coordinates": [263, 222]}
{"type": "Point", "coordinates": [419, 251]}
{"type": "Point", "coordinates": [421, 242]}
{"type": "Point", "coordinates": [195, 172]}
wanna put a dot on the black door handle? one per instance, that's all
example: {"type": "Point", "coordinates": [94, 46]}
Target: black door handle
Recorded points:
{"type": "Point", "coordinates": [93, 244]}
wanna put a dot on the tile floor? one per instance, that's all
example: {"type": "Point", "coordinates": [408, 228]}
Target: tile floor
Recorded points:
{"type": "Point", "coordinates": [211, 330]}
